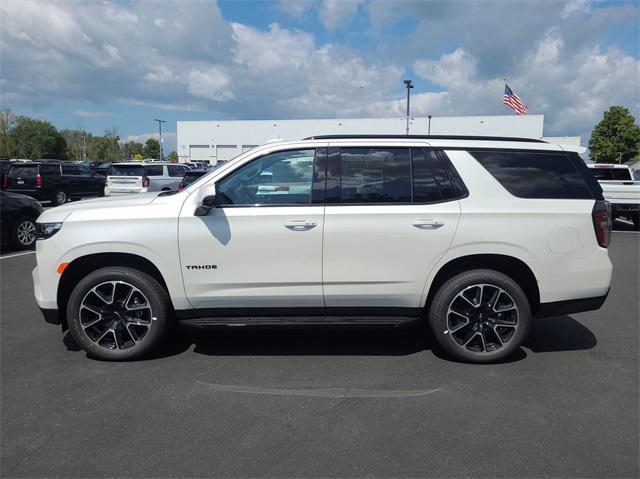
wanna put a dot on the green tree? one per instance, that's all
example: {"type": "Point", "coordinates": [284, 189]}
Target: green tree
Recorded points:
{"type": "Point", "coordinates": [172, 157]}
{"type": "Point", "coordinates": [107, 147]}
{"type": "Point", "coordinates": [151, 149]}
{"type": "Point", "coordinates": [35, 139]}
{"type": "Point", "coordinates": [7, 121]}
{"type": "Point", "coordinates": [77, 140]}
{"type": "Point", "coordinates": [131, 149]}
{"type": "Point", "coordinates": [616, 138]}
{"type": "Point", "coordinates": [138, 157]}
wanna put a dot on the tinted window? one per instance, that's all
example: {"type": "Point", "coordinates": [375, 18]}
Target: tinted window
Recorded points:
{"type": "Point", "coordinates": [616, 174]}
{"type": "Point", "coordinates": [154, 170]}
{"type": "Point", "coordinates": [84, 170]}
{"type": "Point", "coordinates": [176, 170]}
{"type": "Point", "coordinates": [23, 171]}
{"type": "Point", "coordinates": [375, 175]}
{"type": "Point", "coordinates": [282, 178]}
{"type": "Point", "coordinates": [425, 188]}
{"type": "Point", "coordinates": [636, 175]}
{"type": "Point", "coordinates": [50, 170]}
{"type": "Point", "coordinates": [191, 176]}
{"type": "Point", "coordinates": [535, 175]}
{"type": "Point", "coordinates": [70, 170]}
{"type": "Point", "coordinates": [127, 170]}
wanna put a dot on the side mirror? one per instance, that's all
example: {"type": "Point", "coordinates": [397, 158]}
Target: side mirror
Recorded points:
{"type": "Point", "coordinates": [208, 202]}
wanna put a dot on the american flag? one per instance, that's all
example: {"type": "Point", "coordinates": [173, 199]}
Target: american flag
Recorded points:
{"type": "Point", "coordinates": [513, 101]}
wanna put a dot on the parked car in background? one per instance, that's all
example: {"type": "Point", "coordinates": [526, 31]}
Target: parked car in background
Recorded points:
{"type": "Point", "coordinates": [477, 236]}
{"type": "Point", "coordinates": [621, 187]}
{"type": "Point", "coordinates": [4, 167]}
{"type": "Point", "coordinates": [18, 214]}
{"type": "Point", "coordinates": [144, 176]}
{"type": "Point", "coordinates": [101, 168]}
{"type": "Point", "coordinates": [53, 180]}
{"type": "Point", "coordinates": [190, 177]}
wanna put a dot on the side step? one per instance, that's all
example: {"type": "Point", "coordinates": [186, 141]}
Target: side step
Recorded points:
{"type": "Point", "coordinates": [300, 320]}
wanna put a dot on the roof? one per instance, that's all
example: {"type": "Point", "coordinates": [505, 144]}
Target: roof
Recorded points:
{"type": "Point", "coordinates": [425, 137]}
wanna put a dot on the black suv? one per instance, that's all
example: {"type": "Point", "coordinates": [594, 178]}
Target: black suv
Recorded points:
{"type": "Point", "coordinates": [18, 214]}
{"type": "Point", "coordinates": [55, 181]}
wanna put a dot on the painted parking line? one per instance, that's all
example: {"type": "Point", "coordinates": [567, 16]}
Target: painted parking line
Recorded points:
{"type": "Point", "coordinates": [13, 255]}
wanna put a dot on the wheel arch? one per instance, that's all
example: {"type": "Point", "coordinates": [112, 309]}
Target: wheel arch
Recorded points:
{"type": "Point", "coordinates": [83, 265]}
{"type": "Point", "coordinates": [511, 266]}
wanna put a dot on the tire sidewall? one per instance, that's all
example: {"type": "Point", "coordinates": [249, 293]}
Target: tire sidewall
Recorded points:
{"type": "Point", "coordinates": [55, 197]}
{"type": "Point", "coordinates": [444, 296]}
{"type": "Point", "coordinates": [155, 294]}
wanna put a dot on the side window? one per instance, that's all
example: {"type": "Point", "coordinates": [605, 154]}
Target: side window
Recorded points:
{"type": "Point", "coordinates": [50, 170]}
{"type": "Point", "coordinates": [636, 175]}
{"type": "Point", "coordinates": [425, 186]}
{"type": "Point", "coordinates": [70, 170]}
{"type": "Point", "coordinates": [176, 170]}
{"type": "Point", "coordinates": [84, 170]}
{"type": "Point", "coordinates": [282, 178]}
{"type": "Point", "coordinates": [375, 175]}
{"type": "Point", "coordinates": [154, 170]}
{"type": "Point", "coordinates": [535, 174]}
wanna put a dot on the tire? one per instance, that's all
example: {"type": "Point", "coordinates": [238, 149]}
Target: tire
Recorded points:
{"type": "Point", "coordinates": [117, 331]}
{"type": "Point", "coordinates": [59, 197]}
{"type": "Point", "coordinates": [23, 233]}
{"type": "Point", "coordinates": [490, 333]}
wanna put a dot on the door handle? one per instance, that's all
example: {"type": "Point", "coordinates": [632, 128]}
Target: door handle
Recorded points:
{"type": "Point", "coordinates": [428, 224]}
{"type": "Point", "coordinates": [300, 225]}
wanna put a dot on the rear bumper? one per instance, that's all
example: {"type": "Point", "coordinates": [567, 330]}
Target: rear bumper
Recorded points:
{"type": "Point", "coordinates": [38, 194]}
{"type": "Point", "coordinates": [571, 306]}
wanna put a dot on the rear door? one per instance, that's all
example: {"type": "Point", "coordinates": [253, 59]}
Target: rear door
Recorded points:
{"type": "Point", "coordinates": [73, 182]}
{"type": "Point", "coordinates": [391, 213]}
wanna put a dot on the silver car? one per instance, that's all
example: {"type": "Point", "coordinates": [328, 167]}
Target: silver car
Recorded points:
{"type": "Point", "coordinates": [143, 176]}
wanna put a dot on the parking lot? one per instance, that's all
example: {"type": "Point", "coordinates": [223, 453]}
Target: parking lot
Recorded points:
{"type": "Point", "coordinates": [324, 402]}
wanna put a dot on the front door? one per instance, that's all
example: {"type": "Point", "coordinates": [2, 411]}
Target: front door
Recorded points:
{"type": "Point", "coordinates": [261, 246]}
{"type": "Point", "coordinates": [391, 213]}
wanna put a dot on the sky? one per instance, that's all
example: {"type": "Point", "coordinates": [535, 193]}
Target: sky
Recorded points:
{"type": "Point", "coordinates": [98, 64]}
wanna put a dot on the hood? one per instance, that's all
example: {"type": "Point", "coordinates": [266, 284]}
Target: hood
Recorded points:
{"type": "Point", "coordinates": [60, 213]}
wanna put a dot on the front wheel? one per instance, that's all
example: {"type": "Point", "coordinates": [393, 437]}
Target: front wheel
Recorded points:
{"type": "Point", "coordinates": [23, 233]}
{"type": "Point", "coordinates": [480, 316]}
{"type": "Point", "coordinates": [118, 313]}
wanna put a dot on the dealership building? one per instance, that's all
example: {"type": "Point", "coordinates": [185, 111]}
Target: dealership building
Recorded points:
{"type": "Point", "coordinates": [216, 141]}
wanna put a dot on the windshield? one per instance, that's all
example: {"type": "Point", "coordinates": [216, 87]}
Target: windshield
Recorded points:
{"type": "Point", "coordinates": [611, 174]}
{"type": "Point", "coordinates": [127, 170]}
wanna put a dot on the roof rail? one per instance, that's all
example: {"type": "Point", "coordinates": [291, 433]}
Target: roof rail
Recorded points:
{"type": "Point", "coordinates": [425, 137]}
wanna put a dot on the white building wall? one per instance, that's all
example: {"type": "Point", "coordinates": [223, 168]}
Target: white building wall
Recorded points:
{"type": "Point", "coordinates": [222, 140]}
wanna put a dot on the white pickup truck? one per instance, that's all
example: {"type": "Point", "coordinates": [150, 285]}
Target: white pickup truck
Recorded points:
{"type": "Point", "coordinates": [621, 187]}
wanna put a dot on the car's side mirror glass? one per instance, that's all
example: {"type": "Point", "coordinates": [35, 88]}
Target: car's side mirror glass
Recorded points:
{"type": "Point", "coordinates": [208, 202]}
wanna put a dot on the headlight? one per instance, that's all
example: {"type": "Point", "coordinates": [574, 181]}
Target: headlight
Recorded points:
{"type": "Point", "coordinates": [47, 230]}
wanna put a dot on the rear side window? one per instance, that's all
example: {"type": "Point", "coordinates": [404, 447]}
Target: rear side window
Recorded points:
{"type": "Point", "coordinates": [154, 170]}
{"type": "Point", "coordinates": [434, 178]}
{"type": "Point", "coordinates": [375, 175]}
{"type": "Point", "coordinates": [127, 170]}
{"type": "Point", "coordinates": [176, 170]}
{"type": "Point", "coordinates": [23, 171]}
{"type": "Point", "coordinates": [50, 170]}
{"type": "Point", "coordinates": [611, 174]}
{"type": "Point", "coordinates": [70, 170]}
{"type": "Point", "coordinates": [535, 174]}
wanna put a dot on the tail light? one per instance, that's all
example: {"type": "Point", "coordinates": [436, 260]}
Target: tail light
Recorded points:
{"type": "Point", "coordinates": [601, 215]}
{"type": "Point", "coordinates": [5, 182]}
{"type": "Point", "coordinates": [38, 181]}
{"type": "Point", "coordinates": [180, 186]}
{"type": "Point", "coordinates": [145, 182]}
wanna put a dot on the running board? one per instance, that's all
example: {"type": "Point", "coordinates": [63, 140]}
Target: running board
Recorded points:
{"type": "Point", "coordinates": [300, 320]}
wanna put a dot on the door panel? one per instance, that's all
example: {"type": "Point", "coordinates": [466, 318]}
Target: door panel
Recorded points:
{"type": "Point", "coordinates": [380, 256]}
{"type": "Point", "coordinates": [260, 260]}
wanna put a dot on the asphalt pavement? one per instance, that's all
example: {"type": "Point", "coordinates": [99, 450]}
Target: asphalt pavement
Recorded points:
{"type": "Point", "coordinates": [323, 402]}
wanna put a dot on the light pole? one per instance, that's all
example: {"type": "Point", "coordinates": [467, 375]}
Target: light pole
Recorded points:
{"type": "Point", "coordinates": [409, 86]}
{"type": "Point", "coordinates": [429, 131]}
{"type": "Point", "coordinates": [160, 122]}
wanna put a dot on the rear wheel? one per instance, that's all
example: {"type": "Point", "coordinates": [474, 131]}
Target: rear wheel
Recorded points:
{"type": "Point", "coordinates": [118, 313]}
{"type": "Point", "coordinates": [480, 316]}
{"type": "Point", "coordinates": [59, 197]}
{"type": "Point", "coordinates": [23, 233]}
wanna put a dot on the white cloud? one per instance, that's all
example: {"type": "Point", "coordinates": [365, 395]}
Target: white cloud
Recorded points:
{"type": "Point", "coordinates": [212, 84]}
{"type": "Point", "coordinates": [92, 114]}
{"type": "Point", "coordinates": [335, 14]}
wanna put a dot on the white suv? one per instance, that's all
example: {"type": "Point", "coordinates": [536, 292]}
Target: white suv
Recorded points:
{"type": "Point", "coordinates": [143, 176]}
{"type": "Point", "coordinates": [477, 235]}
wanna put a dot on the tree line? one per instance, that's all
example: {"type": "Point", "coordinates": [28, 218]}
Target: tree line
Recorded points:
{"type": "Point", "coordinates": [24, 137]}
